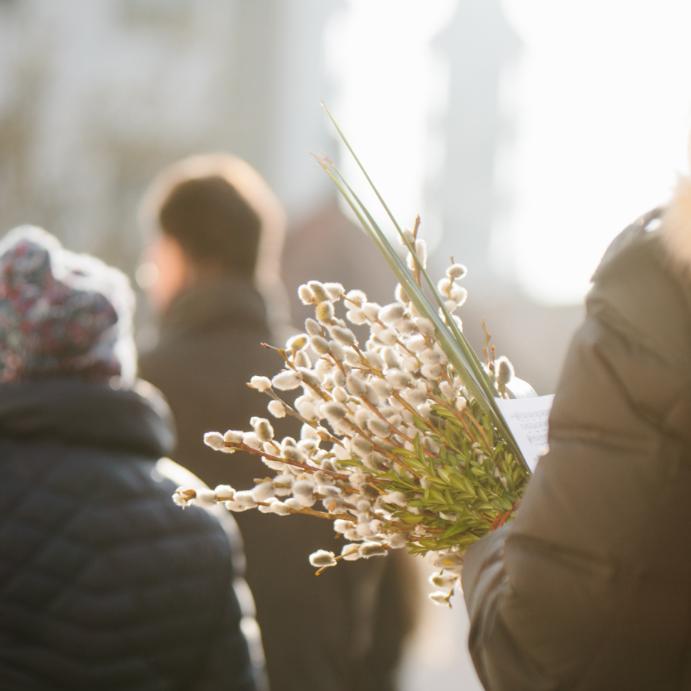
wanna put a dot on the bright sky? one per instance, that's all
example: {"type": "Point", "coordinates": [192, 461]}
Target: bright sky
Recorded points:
{"type": "Point", "coordinates": [602, 101]}
{"type": "Point", "coordinates": [599, 106]}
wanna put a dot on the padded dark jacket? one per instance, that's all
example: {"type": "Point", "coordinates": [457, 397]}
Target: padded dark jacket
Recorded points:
{"type": "Point", "coordinates": [343, 631]}
{"type": "Point", "coordinates": [104, 582]}
{"type": "Point", "coordinates": [589, 588]}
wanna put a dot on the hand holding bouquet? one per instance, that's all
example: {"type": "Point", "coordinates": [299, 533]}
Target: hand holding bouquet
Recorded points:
{"type": "Point", "coordinates": [402, 444]}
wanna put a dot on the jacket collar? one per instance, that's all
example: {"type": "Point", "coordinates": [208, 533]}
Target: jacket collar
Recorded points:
{"type": "Point", "coordinates": [214, 302]}
{"type": "Point", "coordinates": [676, 225]}
{"type": "Point", "coordinates": [135, 420]}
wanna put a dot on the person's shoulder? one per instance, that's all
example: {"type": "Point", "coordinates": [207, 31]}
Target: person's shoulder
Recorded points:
{"type": "Point", "coordinates": [640, 291]}
{"type": "Point", "coordinates": [176, 475]}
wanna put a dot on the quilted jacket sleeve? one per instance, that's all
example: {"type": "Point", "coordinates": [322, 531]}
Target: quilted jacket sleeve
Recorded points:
{"type": "Point", "coordinates": [237, 637]}
{"type": "Point", "coordinates": [589, 587]}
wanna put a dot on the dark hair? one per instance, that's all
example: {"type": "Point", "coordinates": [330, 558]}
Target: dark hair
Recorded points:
{"type": "Point", "coordinates": [221, 212]}
{"type": "Point", "coordinates": [214, 224]}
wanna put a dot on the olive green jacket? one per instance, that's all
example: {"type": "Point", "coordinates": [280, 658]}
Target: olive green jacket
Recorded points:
{"type": "Point", "coordinates": [590, 586]}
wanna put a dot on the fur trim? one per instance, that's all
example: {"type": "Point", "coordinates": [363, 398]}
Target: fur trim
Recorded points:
{"type": "Point", "coordinates": [676, 224]}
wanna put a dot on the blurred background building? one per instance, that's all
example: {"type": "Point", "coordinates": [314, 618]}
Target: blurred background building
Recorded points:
{"type": "Point", "coordinates": [527, 133]}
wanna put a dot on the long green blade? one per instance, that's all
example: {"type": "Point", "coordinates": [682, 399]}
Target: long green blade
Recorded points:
{"type": "Point", "coordinates": [452, 340]}
{"type": "Point", "coordinates": [449, 344]}
{"type": "Point", "coordinates": [474, 363]}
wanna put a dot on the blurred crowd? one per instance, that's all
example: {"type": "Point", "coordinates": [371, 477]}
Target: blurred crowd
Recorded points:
{"type": "Point", "coordinates": [104, 582]}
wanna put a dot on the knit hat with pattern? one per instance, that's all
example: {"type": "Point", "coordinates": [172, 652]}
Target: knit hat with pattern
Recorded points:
{"type": "Point", "coordinates": [61, 313]}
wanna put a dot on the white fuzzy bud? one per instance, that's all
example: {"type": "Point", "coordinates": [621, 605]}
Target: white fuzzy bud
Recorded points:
{"type": "Point", "coordinates": [431, 372]}
{"type": "Point", "coordinates": [336, 351]}
{"type": "Point", "coordinates": [361, 416]}
{"type": "Point", "coordinates": [233, 436]}
{"type": "Point", "coordinates": [334, 411]}
{"type": "Point", "coordinates": [459, 295]}
{"type": "Point", "coordinates": [447, 390]}
{"type": "Point", "coordinates": [400, 294]}
{"type": "Point", "coordinates": [421, 251]}
{"type": "Point", "coordinates": [252, 440]}
{"type": "Point", "coordinates": [262, 428]}
{"type": "Point", "coordinates": [357, 479]}
{"type": "Point", "coordinates": [278, 466]}
{"type": "Point", "coordinates": [335, 291]}
{"type": "Point", "coordinates": [371, 310]}
{"type": "Point", "coordinates": [456, 272]}
{"type": "Point", "coordinates": [439, 597]}
{"type": "Point", "coordinates": [398, 379]}
{"type": "Point", "coordinates": [320, 345]}
{"type": "Point", "coordinates": [376, 461]}
{"type": "Point", "coordinates": [381, 387]}
{"type": "Point", "coordinates": [279, 508]}
{"type": "Point", "coordinates": [307, 431]}
{"type": "Point", "coordinates": [443, 579]}
{"type": "Point", "coordinates": [395, 498]}
{"type": "Point", "coordinates": [214, 440]}
{"type": "Point", "coordinates": [224, 493]}
{"type": "Point", "coordinates": [390, 358]}
{"type": "Point", "coordinates": [344, 336]}
{"type": "Point", "coordinates": [505, 372]}
{"type": "Point", "coordinates": [246, 499]}
{"type": "Point", "coordinates": [417, 343]}
{"type": "Point", "coordinates": [324, 312]}
{"type": "Point", "coordinates": [361, 445]}
{"type": "Point", "coordinates": [430, 357]}
{"type": "Point", "coordinates": [318, 290]}
{"type": "Point", "coordinates": [306, 295]}
{"type": "Point", "coordinates": [352, 358]}
{"type": "Point", "coordinates": [303, 492]}
{"type": "Point", "coordinates": [341, 526]}
{"type": "Point", "coordinates": [183, 496]}
{"type": "Point", "coordinates": [378, 427]}
{"type": "Point", "coordinates": [448, 560]}
{"type": "Point", "coordinates": [306, 408]}
{"type": "Point", "coordinates": [302, 359]}
{"type": "Point", "coordinates": [387, 337]}
{"type": "Point", "coordinates": [297, 343]}
{"type": "Point", "coordinates": [350, 552]}
{"type": "Point", "coordinates": [397, 541]}
{"type": "Point", "coordinates": [339, 394]}
{"type": "Point", "coordinates": [372, 549]}
{"type": "Point", "coordinates": [261, 384]}
{"type": "Point", "coordinates": [356, 316]}
{"type": "Point", "coordinates": [277, 409]}
{"type": "Point", "coordinates": [424, 326]}
{"type": "Point", "coordinates": [363, 530]}
{"type": "Point", "coordinates": [263, 491]}
{"type": "Point", "coordinates": [357, 297]}
{"type": "Point", "coordinates": [375, 360]}
{"type": "Point", "coordinates": [444, 286]}
{"type": "Point", "coordinates": [287, 380]}
{"type": "Point", "coordinates": [390, 314]}
{"type": "Point", "coordinates": [411, 364]}
{"type": "Point", "coordinates": [322, 559]}
{"type": "Point", "coordinates": [312, 327]}
{"type": "Point", "coordinates": [282, 484]}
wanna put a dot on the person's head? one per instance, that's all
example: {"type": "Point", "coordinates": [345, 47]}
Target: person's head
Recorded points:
{"type": "Point", "coordinates": [62, 314]}
{"type": "Point", "coordinates": [210, 215]}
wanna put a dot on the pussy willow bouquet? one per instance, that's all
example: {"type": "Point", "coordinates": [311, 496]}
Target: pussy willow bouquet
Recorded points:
{"type": "Point", "coordinates": [402, 444]}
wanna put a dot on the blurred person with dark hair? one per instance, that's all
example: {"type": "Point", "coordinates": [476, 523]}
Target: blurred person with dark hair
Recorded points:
{"type": "Point", "coordinates": [218, 232]}
{"type": "Point", "coordinates": [589, 587]}
{"type": "Point", "coordinates": [104, 583]}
